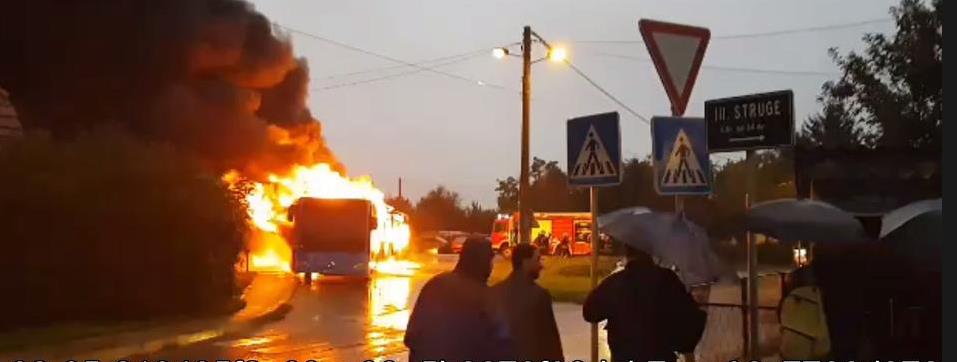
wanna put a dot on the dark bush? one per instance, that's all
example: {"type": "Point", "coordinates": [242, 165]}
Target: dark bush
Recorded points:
{"type": "Point", "coordinates": [107, 227]}
{"type": "Point", "coordinates": [769, 253]}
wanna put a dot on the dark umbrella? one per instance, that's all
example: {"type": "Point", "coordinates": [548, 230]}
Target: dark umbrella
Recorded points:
{"type": "Point", "coordinates": [669, 237]}
{"type": "Point", "coordinates": [916, 231]}
{"type": "Point", "coordinates": [803, 220]}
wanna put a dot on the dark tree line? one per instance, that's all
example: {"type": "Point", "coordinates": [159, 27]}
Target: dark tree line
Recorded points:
{"type": "Point", "coordinates": [891, 94]}
{"type": "Point", "coordinates": [443, 209]}
{"type": "Point", "coordinates": [106, 227]}
{"type": "Point", "coordinates": [549, 189]}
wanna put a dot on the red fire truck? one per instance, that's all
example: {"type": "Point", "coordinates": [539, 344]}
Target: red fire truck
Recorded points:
{"type": "Point", "coordinates": [576, 226]}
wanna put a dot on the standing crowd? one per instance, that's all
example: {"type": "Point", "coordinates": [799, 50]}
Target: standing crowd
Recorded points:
{"type": "Point", "coordinates": [458, 317]}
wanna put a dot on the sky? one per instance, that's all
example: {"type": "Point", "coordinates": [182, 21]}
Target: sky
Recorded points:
{"type": "Point", "coordinates": [462, 129]}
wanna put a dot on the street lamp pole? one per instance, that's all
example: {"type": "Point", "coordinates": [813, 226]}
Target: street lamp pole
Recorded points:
{"type": "Point", "coordinates": [524, 207]}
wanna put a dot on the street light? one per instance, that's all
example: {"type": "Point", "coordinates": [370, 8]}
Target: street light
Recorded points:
{"type": "Point", "coordinates": [500, 53]}
{"type": "Point", "coordinates": [555, 54]}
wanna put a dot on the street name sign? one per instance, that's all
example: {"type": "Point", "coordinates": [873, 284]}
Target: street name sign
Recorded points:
{"type": "Point", "coordinates": [750, 122]}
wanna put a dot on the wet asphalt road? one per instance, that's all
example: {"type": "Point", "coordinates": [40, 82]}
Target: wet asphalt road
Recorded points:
{"type": "Point", "coordinates": [333, 319]}
{"type": "Point", "coordinates": [351, 320]}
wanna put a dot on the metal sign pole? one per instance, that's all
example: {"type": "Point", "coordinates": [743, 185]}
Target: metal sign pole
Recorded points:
{"type": "Point", "coordinates": [594, 265]}
{"type": "Point", "coordinates": [753, 339]}
{"type": "Point", "coordinates": [730, 131]}
{"type": "Point", "coordinates": [679, 200]}
{"type": "Point", "coordinates": [594, 160]}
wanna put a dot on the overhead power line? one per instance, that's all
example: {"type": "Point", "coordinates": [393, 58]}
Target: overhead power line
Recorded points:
{"type": "Point", "coordinates": [606, 93]}
{"type": "Point", "coordinates": [400, 66]}
{"type": "Point", "coordinates": [757, 35]}
{"type": "Point", "coordinates": [401, 74]}
{"type": "Point", "coordinates": [732, 69]}
{"type": "Point", "coordinates": [475, 82]}
{"type": "Point", "coordinates": [806, 30]}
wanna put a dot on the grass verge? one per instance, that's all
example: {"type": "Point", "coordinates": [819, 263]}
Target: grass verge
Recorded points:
{"type": "Point", "coordinates": [567, 279]}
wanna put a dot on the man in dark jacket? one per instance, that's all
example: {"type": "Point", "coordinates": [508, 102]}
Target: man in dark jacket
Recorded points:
{"type": "Point", "coordinates": [646, 307]}
{"type": "Point", "coordinates": [527, 309]}
{"type": "Point", "coordinates": [452, 319]}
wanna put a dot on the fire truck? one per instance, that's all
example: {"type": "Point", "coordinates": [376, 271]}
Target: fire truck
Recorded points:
{"type": "Point", "coordinates": [576, 226]}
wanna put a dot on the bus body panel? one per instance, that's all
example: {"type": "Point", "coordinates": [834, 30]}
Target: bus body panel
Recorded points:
{"type": "Point", "coordinates": [332, 236]}
{"type": "Point", "coordinates": [331, 263]}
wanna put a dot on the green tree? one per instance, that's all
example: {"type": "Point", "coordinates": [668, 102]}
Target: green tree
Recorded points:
{"type": "Point", "coordinates": [507, 194]}
{"type": "Point", "coordinates": [636, 189]}
{"type": "Point", "coordinates": [110, 223]}
{"type": "Point", "coordinates": [832, 128]}
{"type": "Point", "coordinates": [550, 190]}
{"type": "Point", "coordinates": [401, 203]}
{"type": "Point", "coordinates": [439, 209]}
{"type": "Point", "coordinates": [478, 219]}
{"type": "Point", "coordinates": [894, 89]}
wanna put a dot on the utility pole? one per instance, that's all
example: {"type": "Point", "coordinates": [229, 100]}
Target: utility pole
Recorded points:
{"type": "Point", "coordinates": [400, 187]}
{"type": "Point", "coordinates": [525, 214]}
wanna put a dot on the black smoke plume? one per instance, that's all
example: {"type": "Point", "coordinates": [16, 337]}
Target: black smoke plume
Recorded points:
{"type": "Point", "coordinates": [213, 77]}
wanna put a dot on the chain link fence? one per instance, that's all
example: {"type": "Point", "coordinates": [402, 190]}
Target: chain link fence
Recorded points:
{"type": "Point", "coordinates": [725, 336]}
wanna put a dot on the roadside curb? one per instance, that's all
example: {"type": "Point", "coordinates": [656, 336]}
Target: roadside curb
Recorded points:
{"type": "Point", "coordinates": [215, 328]}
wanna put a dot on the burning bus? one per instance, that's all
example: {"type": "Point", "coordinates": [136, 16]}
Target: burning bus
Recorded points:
{"type": "Point", "coordinates": [315, 220]}
{"type": "Point", "coordinates": [334, 236]}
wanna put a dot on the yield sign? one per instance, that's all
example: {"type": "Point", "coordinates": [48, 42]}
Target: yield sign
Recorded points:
{"type": "Point", "coordinates": [677, 51]}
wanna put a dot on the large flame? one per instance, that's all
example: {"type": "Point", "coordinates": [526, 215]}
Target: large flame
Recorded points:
{"type": "Point", "coordinates": [268, 205]}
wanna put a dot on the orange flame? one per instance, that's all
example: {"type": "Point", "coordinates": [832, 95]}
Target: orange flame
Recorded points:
{"type": "Point", "coordinates": [268, 205]}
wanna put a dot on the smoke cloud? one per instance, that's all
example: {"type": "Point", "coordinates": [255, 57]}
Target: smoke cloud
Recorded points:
{"type": "Point", "coordinates": [212, 77]}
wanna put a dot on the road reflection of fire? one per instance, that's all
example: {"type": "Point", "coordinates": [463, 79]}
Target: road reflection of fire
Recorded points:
{"type": "Point", "coordinates": [388, 313]}
{"type": "Point", "coordinates": [257, 341]}
{"type": "Point", "coordinates": [389, 302]}
{"type": "Point", "coordinates": [395, 267]}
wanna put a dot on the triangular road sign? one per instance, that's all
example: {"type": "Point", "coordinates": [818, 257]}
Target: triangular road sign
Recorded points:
{"type": "Point", "coordinates": [593, 159]}
{"type": "Point", "coordinates": [677, 51]}
{"type": "Point", "coordinates": [683, 168]}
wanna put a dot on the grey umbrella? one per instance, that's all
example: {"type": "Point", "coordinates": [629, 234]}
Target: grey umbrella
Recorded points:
{"type": "Point", "coordinates": [897, 218]}
{"type": "Point", "coordinates": [666, 236]}
{"type": "Point", "coordinates": [803, 220]}
{"type": "Point", "coordinates": [916, 231]}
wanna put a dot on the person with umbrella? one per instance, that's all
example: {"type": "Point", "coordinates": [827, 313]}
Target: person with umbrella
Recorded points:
{"type": "Point", "coordinates": [650, 314]}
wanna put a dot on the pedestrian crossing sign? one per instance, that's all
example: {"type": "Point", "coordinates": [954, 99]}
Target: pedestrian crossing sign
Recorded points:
{"type": "Point", "coordinates": [594, 150]}
{"type": "Point", "coordinates": [680, 153]}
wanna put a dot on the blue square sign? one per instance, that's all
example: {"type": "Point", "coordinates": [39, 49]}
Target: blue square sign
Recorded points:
{"type": "Point", "coordinates": [680, 155]}
{"type": "Point", "coordinates": [594, 150]}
